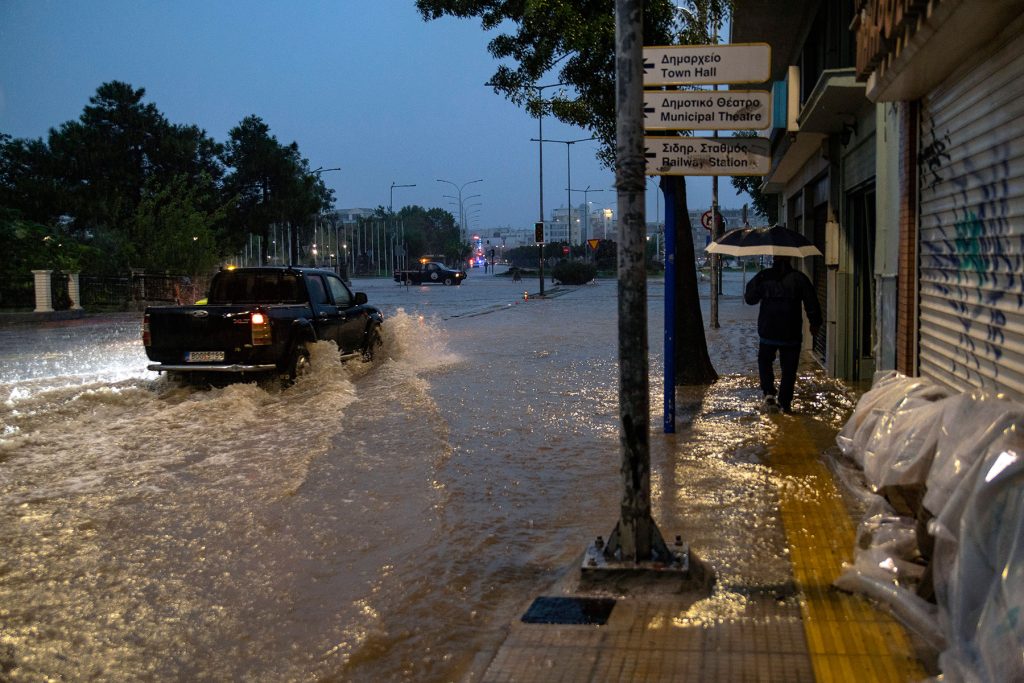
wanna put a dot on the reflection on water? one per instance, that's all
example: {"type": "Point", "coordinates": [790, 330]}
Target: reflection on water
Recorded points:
{"type": "Point", "coordinates": [374, 522]}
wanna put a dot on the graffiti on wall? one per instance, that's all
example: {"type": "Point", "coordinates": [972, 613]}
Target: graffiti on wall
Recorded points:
{"type": "Point", "coordinates": [973, 257]}
{"type": "Point", "coordinates": [933, 157]}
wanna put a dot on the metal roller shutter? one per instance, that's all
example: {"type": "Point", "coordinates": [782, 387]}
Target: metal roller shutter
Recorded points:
{"type": "Point", "coordinates": [972, 226]}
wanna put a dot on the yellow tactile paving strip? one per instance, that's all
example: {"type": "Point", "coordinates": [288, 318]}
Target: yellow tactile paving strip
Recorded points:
{"type": "Point", "coordinates": [847, 638]}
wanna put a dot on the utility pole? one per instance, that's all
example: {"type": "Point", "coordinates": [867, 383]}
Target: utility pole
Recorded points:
{"type": "Point", "coordinates": [636, 537]}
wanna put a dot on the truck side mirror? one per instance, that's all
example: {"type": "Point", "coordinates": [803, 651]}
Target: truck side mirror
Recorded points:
{"type": "Point", "coordinates": [361, 298]}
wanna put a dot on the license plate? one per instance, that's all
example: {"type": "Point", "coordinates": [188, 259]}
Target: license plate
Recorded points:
{"type": "Point", "coordinates": [203, 356]}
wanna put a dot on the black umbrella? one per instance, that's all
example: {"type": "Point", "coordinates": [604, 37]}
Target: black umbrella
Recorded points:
{"type": "Point", "coordinates": [777, 240]}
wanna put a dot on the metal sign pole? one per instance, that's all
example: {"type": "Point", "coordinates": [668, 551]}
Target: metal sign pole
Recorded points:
{"type": "Point", "coordinates": [669, 421]}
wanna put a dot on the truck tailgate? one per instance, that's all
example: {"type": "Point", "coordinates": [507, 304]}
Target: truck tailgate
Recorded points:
{"type": "Point", "coordinates": [178, 330]}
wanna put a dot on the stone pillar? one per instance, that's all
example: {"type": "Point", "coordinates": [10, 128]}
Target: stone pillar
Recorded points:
{"type": "Point", "coordinates": [44, 297]}
{"type": "Point", "coordinates": [74, 292]}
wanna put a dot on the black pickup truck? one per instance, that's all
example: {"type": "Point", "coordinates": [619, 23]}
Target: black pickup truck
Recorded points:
{"type": "Point", "coordinates": [427, 272]}
{"type": "Point", "coordinates": [259, 321]}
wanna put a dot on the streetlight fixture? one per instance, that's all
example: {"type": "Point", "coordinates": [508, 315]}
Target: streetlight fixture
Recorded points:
{"type": "Point", "coordinates": [462, 226]}
{"type": "Point", "coordinates": [540, 163]}
{"type": "Point", "coordinates": [586, 207]}
{"type": "Point", "coordinates": [568, 158]}
{"type": "Point", "coordinates": [391, 196]}
{"type": "Point", "coordinates": [294, 229]}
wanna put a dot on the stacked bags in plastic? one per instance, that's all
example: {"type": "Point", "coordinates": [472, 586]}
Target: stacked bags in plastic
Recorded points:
{"type": "Point", "coordinates": [966, 453]}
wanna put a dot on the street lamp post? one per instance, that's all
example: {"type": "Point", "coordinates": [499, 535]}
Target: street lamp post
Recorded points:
{"type": "Point", "coordinates": [586, 208]}
{"type": "Point", "coordinates": [294, 229]}
{"type": "Point", "coordinates": [462, 227]}
{"type": "Point", "coordinates": [391, 197]}
{"type": "Point", "coordinates": [540, 163]}
{"type": "Point", "coordinates": [568, 159]}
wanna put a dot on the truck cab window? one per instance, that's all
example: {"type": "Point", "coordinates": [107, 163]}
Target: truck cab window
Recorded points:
{"type": "Point", "coordinates": [317, 291]}
{"type": "Point", "coordinates": [342, 297]}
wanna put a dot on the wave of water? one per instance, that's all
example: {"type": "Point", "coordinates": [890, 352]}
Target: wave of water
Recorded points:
{"type": "Point", "coordinates": [148, 527]}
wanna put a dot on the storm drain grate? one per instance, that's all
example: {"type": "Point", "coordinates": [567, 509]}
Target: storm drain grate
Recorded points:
{"type": "Point", "coordinates": [551, 610]}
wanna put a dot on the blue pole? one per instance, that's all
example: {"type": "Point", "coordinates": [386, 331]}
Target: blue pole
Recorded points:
{"type": "Point", "coordinates": [670, 307]}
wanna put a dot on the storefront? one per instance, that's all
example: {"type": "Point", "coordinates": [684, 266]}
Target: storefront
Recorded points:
{"type": "Point", "coordinates": [962, 181]}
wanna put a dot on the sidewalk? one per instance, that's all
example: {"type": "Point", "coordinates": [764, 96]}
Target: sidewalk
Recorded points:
{"type": "Point", "coordinates": [753, 497]}
{"type": "Point", "coordinates": [29, 317]}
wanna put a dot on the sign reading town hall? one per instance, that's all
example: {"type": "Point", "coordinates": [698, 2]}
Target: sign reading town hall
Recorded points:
{"type": "Point", "coordinates": [674, 155]}
{"type": "Point", "coordinates": [707, 64]}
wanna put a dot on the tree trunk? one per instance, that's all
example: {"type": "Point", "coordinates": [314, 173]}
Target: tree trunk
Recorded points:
{"type": "Point", "coordinates": [693, 364]}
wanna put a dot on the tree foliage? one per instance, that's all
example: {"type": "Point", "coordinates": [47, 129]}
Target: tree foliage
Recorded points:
{"type": "Point", "coordinates": [431, 231]}
{"type": "Point", "coordinates": [134, 190]}
{"type": "Point", "coordinates": [268, 183]}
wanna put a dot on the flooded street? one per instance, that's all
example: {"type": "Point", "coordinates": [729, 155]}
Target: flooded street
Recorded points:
{"type": "Point", "coordinates": [375, 522]}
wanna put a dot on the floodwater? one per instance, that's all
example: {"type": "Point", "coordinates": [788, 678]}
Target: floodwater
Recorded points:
{"type": "Point", "coordinates": [375, 522]}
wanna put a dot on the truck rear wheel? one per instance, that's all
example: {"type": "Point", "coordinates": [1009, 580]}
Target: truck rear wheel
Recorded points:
{"type": "Point", "coordinates": [298, 364]}
{"type": "Point", "coordinates": [374, 342]}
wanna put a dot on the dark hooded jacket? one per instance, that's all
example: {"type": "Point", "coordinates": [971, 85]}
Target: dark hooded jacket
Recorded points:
{"type": "Point", "coordinates": [781, 290]}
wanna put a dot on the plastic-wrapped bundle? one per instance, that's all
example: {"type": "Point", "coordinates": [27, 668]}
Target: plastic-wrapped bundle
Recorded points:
{"type": "Point", "coordinates": [980, 545]}
{"type": "Point", "coordinates": [899, 451]}
{"type": "Point", "coordinates": [889, 390]}
{"type": "Point", "coordinates": [970, 423]}
{"type": "Point", "coordinates": [885, 568]}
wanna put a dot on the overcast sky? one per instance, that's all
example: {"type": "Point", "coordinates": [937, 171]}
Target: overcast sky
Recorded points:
{"type": "Point", "coordinates": [365, 86]}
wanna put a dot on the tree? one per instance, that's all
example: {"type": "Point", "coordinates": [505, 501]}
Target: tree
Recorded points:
{"type": "Point", "coordinates": [28, 182]}
{"type": "Point", "coordinates": [428, 231]}
{"type": "Point", "coordinates": [90, 177]}
{"type": "Point", "coordinates": [575, 39]}
{"type": "Point", "coordinates": [176, 233]}
{"type": "Point", "coordinates": [268, 183]}
{"type": "Point", "coordinates": [102, 160]}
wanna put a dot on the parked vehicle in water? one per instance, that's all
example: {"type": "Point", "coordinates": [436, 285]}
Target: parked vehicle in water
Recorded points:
{"type": "Point", "coordinates": [428, 272]}
{"type": "Point", "coordinates": [259, 321]}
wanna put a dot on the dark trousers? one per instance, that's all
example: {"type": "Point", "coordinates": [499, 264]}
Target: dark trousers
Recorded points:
{"type": "Point", "coordinates": [789, 358]}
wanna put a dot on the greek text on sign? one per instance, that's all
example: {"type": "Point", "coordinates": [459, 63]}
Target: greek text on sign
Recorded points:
{"type": "Point", "coordinates": [675, 155]}
{"type": "Point", "coordinates": [707, 109]}
{"type": "Point", "coordinates": [707, 64]}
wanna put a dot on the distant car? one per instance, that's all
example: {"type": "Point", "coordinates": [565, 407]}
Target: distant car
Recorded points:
{"type": "Point", "coordinates": [430, 272]}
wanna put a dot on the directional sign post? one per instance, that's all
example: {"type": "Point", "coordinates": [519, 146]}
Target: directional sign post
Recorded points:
{"type": "Point", "coordinates": [707, 156]}
{"type": "Point", "coordinates": [707, 64]}
{"type": "Point", "coordinates": [707, 109]}
{"type": "Point", "coordinates": [670, 110]}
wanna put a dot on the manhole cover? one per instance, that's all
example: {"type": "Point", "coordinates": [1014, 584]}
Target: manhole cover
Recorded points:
{"type": "Point", "coordinates": [549, 610]}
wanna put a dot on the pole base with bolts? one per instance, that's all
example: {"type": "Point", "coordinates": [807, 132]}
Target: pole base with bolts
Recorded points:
{"type": "Point", "coordinates": [677, 571]}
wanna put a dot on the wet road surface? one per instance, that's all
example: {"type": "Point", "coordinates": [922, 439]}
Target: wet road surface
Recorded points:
{"type": "Point", "coordinates": [374, 522]}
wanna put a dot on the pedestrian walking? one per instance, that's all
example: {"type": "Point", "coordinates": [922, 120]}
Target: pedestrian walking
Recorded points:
{"type": "Point", "coordinates": [781, 290]}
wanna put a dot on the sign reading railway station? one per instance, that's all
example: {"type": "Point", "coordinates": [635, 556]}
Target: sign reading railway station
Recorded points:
{"type": "Point", "coordinates": [707, 109]}
{"type": "Point", "coordinates": [674, 155]}
{"type": "Point", "coordinates": [707, 64]}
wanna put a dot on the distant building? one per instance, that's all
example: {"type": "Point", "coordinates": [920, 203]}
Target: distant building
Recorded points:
{"type": "Point", "coordinates": [344, 216]}
{"type": "Point", "coordinates": [595, 223]}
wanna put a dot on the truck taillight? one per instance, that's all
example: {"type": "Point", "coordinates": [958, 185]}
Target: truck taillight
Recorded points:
{"type": "Point", "coordinates": [260, 325]}
{"type": "Point", "coordinates": [146, 339]}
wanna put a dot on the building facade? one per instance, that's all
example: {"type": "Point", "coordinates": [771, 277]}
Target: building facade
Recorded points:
{"type": "Point", "coordinates": [898, 149]}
